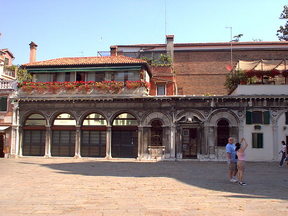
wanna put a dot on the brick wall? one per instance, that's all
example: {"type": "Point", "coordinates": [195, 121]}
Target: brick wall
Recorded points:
{"type": "Point", "coordinates": [203, 72]}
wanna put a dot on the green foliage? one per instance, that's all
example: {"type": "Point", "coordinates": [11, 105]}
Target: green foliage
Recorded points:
{"type": "Point", "coordinates": [23, 75]}
{"type": "Point", "coordinates": [235, 78]}
{"type": "Point", "coordinates": [163, 60]}
{"type": "Point", "coordinates": [282, 32]}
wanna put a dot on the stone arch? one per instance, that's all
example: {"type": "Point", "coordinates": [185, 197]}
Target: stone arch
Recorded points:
{"type": "Point", "coordinates": [24, 117]}
{"type": "Point", "coordinates": [282, 112]}
{"type": "Point", "coordinates": [55, 114]}
{"type": "Point", "coordinates": [226, 114]}
{"type": "Point", "coordinates": [85, 114]}
{"type": "Point", "coordinates": [156, 115]}
{"type": "Point", "coordinates": [111, 119]}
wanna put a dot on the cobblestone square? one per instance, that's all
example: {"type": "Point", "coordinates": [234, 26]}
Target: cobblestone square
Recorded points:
{"type": "Point", "coordinates": [66, 186]}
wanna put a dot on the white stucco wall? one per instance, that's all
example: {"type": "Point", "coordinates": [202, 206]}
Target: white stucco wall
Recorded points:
{"type": "Point", "coordinates": [259, 154]}
{"type": "Point", "coordinates": [282, 132]}
{"type": "Point", "coordinates": [261, 90]}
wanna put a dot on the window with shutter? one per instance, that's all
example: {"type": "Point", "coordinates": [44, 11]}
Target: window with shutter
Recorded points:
{"type": "Point", "coordinates": [257, 140]}
{"type": "Point", "coordinates": [266, 117]}
{"type": "Point", "coordinates": [248, 117]}
{"type": "Point", "coordinates": [3, 104]}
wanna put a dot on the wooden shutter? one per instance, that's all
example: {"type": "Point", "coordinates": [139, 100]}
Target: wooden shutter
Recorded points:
{"type": "Point", "coordinates": [248, 117]}
{"type": "Point", "coordinates": [266, 117]}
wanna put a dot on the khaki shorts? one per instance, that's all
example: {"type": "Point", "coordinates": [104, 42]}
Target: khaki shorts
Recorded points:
{"type": "Point", "coordinates": [233, 166]}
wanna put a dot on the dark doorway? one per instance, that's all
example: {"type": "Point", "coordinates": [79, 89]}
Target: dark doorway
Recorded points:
{"type": "Point", "coordinates": [189, 143]}
{"type": "Point", "coordinates": [33, 142]}
{"type": "Point", "coordinates": [93, 143]}
{"type": "Point", "coordinates": [156, 133]}
{"type": "Point", "coordinates": [124, 143]}
{"type": "Point", "coordinates": [63, 143]}
{"type": "Point", "coordinates": [222, 132]}
{"type": "Point", "coordinates": [2, 136]}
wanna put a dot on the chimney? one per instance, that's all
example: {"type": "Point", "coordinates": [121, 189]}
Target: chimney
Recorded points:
{"type": "Point", "coordinates": [113, 50]}
{"type": "Point", "coordinates": [170, 46]}
{"type": "Point", "coordinates": [33, 48]}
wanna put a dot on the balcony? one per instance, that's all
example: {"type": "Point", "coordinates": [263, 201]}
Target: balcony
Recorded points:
{"type": "Point", "coordinates": [79, 88]}
{"type": "Point", "coordinates": [8, 84]}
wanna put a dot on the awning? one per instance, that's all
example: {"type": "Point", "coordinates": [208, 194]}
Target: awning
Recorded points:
{"type": "Point", "coordinates": [263, 67]}
{"type": "Point", "coordinates": [86, 69]}
{"type": "Point", "coordinates": [3, 128]}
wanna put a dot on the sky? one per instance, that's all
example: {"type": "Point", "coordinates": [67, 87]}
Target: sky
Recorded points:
{"type": "Point", "coordinates": [74, 28]}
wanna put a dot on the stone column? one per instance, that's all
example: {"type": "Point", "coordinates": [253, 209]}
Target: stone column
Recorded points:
{"type": "Point", "coordinates": [48, 137]}
{"type": "Point", "coordinates": [108, 142]}
{"type": "Point", "coordinates": [146, 141]}
{"type": "Point", "coordinates": [78, 141]}
{"type": "Point", "coordinates": [14, 150]}
{"type": "Point", "coordinates": [275, 140]}
{"type": "Point", "coordinates": [172, 141]}
{"type": "Point", "coordinates": [19, 136]}
{"type": "Point", "coordinates": [140, 142]}
{"type": "Point", "coordinates": [178, 143]}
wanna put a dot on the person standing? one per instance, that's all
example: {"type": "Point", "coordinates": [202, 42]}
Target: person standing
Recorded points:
{"type": "Point", "coordinates": [240, 152]}
{"type": "Point", "coordinates": [231, 160]}
{"type": "Point", "coordinates": [283, 151]}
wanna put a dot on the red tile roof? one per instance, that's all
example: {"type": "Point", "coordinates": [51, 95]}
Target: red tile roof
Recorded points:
{"type": "Point", "coordinates": [99, 60]}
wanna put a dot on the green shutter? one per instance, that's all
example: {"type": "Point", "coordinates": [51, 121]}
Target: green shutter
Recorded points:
{"type": "Point", "coordinates": [248, 117]}
{"type": "Point", "coordinates": [3, 104]}
{"type": "Point", "coordinates": [266, 117]}
{"type": "Point", "coordinates": [260, 140]}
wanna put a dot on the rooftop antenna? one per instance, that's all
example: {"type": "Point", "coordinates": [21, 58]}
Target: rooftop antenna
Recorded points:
{"type": "Point", "coordinates": [231, 52]}
{"type": "Point", "coordinates": [165, 17]}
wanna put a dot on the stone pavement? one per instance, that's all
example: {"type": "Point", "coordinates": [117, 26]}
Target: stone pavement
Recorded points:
{"type": "Point", "coordinates": [74, 187]}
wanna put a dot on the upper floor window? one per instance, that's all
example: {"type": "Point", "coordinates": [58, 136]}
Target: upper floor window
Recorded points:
{"type": "Point", "coordinates": [161, 89]}
{"type": "Point", "coordinates": [258, 117]}
{"type": "Point", "coordinates": [6, 62]}
{"type": "Point", "coordinates": [125, 76]}
{"type": "Point", "coordinates": [3, 104]}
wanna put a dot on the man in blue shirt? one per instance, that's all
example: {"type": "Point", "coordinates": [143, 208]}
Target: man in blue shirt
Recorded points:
{"type": "Point", "coordinates": [231, 160]}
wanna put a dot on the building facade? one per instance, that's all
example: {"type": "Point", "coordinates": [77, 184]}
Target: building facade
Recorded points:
{"type": "Point", "coordinates": [103, 107]}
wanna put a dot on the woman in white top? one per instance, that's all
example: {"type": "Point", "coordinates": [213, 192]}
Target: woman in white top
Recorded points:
{"type": "Point", "coordinates": [240, 151]}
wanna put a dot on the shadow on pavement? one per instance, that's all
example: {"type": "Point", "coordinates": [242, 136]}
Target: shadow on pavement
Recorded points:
{"type": "Point", "coordinates": [265, 180]}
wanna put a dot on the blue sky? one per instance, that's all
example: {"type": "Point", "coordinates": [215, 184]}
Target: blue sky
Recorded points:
{"type": "Point", "coordinates": [70, 28]}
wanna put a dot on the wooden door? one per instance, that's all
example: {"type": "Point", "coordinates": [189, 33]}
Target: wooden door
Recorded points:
{"type": "Point", "coordinates": [189, 143]}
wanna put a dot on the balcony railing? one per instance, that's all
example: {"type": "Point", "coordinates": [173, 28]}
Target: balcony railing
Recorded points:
{"type": "Point", "coordinates": [8, 84]}
{"type": "Point", "coordinates": [9, 72]}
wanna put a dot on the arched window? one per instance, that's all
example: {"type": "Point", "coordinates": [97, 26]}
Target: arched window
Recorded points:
{"type": "Point", "coordinates": [34, 132]}
{"type": "Point", "coordinates": [94, 119]}
{"type": "Point", "coordinates": [93, 136]}
{"type": "Point", "coordinates": [64, 119]}
{"type": "Point", "coordinates": [124, 136]}
{"type": "Point", "coordinates": [35, 119]}
{"type": "Point", "coordinates": [222, 132]}
{"type": "Point", "coordinates": [125, 119]}
{"type": "Point", "coordinates": [63, 136]}
{"type": "Point", "coordinates": [156, 133]}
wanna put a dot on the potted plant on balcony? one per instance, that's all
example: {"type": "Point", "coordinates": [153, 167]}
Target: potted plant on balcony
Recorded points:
{"type": "Point", "coordinates": [234, 78]}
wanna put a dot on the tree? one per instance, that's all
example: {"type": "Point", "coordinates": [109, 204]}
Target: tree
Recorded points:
{"type": "Point", "coordinates": [282, 32]}
{"type": "Point", "coordinates": [22, 75]}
